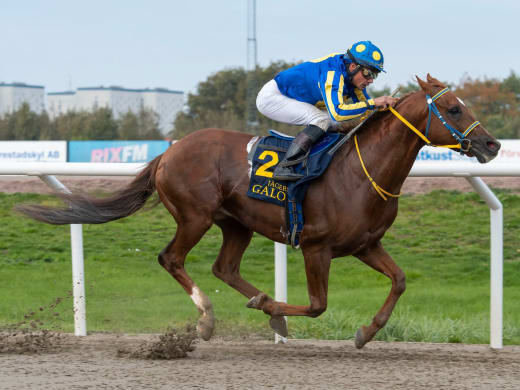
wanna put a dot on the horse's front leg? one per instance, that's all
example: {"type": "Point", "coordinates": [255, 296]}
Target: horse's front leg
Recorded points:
{"type": "Point", "coordinates": [317, 266]}
{"type": "Point", "coordinates": [377, 258]}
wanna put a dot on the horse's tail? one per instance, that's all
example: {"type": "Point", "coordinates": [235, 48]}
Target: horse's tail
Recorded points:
{"type": "Point", "coordinates": [84, 209]}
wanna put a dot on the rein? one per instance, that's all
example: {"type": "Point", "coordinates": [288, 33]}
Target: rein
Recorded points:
{"type": "Point", "coordinates": [464, 144]}
{"type": "Point", "coordinates": [379, 189]}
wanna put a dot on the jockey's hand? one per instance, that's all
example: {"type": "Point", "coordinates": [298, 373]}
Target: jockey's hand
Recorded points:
{"type": "Point", "coordinates": [383, 102]}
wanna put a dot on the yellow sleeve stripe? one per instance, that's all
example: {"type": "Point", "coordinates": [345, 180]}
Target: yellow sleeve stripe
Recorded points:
{"type": "Point", "coordinates": [360, 95]}
{"type": "Point", "coordinates": [342, 105]}
{"type": "Point", "coordinates": [352, 106]}
{"type": "Point", "coordinates": [362, 98]}
{"type": "Point", "coordinates": [324, 58]}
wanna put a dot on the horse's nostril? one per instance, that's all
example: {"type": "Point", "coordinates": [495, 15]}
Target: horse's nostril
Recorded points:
{"type": "Point", "coordinates": [494, 146]}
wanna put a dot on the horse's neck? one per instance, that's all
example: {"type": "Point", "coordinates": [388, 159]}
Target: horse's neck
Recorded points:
{"type": "Point", "coordinates": [389, 148]}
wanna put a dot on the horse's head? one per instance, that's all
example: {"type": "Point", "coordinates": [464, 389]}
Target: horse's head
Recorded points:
{"type": "Point", "coordinates": [450, 120]}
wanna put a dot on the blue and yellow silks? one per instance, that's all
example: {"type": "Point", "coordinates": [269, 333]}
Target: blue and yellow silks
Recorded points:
{"type": "Point", "coordinates": [324, 82]}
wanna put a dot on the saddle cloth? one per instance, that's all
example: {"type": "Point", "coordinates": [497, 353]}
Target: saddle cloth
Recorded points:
{"type": "Point", "coordinates": [265, 154]}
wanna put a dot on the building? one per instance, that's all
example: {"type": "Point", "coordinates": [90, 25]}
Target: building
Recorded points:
{"type": "Point", "coordinates": [13, 95]}
{"type": "Point", "coordinates": [60, 102]}
{"type": "Point", "coordinates": [166, 103]}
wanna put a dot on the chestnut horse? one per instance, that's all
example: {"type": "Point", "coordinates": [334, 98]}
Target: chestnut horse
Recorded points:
{"type": "Point", "coordinates": [203, 179]}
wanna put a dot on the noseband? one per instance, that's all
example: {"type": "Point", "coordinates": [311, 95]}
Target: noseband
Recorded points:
{"type": "Point", "coordinates": [464, 144]}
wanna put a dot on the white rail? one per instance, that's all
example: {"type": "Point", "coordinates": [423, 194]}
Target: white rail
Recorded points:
{"type": "Point", "coordinates": [71, 169]}
{"type": "Point", "coordinates": [423, 169]}
{"type": "Point", "coordinates": [470, 171]}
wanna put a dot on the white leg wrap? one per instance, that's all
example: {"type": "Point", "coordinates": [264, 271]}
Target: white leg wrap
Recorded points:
{"type": "Point", "coordinates": [199, 298]}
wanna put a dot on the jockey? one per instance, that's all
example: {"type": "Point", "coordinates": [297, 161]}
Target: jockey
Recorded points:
{"type": "Point", "coordinates": [300, 95]}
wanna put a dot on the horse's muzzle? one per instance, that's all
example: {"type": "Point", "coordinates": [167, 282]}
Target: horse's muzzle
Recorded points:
{"type": "Point", "coordinates": [484, 148]}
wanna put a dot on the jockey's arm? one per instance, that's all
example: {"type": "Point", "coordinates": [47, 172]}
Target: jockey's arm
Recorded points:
{"type": "Point", "coordinates": [332, 90]}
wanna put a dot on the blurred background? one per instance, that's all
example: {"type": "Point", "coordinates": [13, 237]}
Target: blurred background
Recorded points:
{"type": "Point", "coordinates": [130, 70]}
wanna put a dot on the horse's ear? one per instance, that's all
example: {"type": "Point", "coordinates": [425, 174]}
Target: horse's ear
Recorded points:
{"type": "Point", "coordinates": [423, 84]}
{"type": "Point", "coordinates": [434, 81]}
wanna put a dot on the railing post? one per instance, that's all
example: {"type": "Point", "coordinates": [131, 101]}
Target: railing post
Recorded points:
{"type": "Point", "coordinates": [497, 260]}
{"type": "Point", "coordinates": [78, 273]}
{"type": "Point", "coordinates": [280, 280]}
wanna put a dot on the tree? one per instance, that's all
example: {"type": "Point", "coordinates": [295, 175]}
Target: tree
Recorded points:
{"type": "Point", "coordinates": [511, 84]}
{"type": "Point", "coordinates": [6, 130]}
{"type": "Point", "coordinates": [23, 124]}
{"type": "Point", "coordinates": [72, 125]}
{"type": "Point", "coordinates": [222, 91]}
{"type": "Point", "coordinates": [148, 122]}
{"type": "Point", "coordinates": [494, 103]}
{"type": "Point", "coordinates": [101, 125]}
{"type": "Point", "coordinates": [47, 129]}
{"type": "Point", "coordinates": [145, 125]}
{"type": "Point", "coordinates": [220, 101]}
{"type": "Point", "coordinates": [128, 126]}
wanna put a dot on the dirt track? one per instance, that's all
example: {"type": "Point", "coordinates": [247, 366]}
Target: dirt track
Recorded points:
{"type": "Point", "coordinates": [92, 362]}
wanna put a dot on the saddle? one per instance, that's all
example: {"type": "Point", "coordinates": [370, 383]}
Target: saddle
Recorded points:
{"type": "Point", "coordinates": [265, 153]}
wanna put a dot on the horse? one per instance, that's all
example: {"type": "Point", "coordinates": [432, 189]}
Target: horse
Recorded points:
{"type": "Point", "coordinates": [203, 178]}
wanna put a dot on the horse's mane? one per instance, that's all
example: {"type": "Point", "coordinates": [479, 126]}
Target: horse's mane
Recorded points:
{"type": "Point", "coordinates": [432, 81]}
{"type": "Point", "coordinates": [377, 115]}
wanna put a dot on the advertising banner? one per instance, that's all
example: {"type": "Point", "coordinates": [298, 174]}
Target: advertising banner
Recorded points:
{"type": "Point", "coordinates": [116, 151]}
{"type": "Point", "coordinates": [33, 151]}
{"type": "Point", "coordinates": [509, 153]}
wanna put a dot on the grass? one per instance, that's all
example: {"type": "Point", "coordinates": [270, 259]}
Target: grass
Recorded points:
{"type": "Point", "coordinates": [440, 240]}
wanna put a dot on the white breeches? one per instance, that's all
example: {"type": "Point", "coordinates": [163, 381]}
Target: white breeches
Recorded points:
{"type": "Point", "coordinates": [271, 103]}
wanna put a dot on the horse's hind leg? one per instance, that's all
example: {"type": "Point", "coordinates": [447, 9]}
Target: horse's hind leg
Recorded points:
{"type": "Point", "coordinates": [377, 258]}
{"type": "Point", "coordinates": [317, 266]}
{"type": "Point", "coordinates": [189, 231]}
{"type": "Point", "coordinates": [236, 238]}
{"type": "Point", "coordinates": [227, 267]}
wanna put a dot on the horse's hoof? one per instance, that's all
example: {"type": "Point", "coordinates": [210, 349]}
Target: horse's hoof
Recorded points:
{"type": "Point", "coordinates": [279, 325]}
{"type": "Point", "coordinates": [257, 302]}
{"type": "Point", "coordinates": [205, 327]}
{"type": "Point", "coordinates": [360, 340]}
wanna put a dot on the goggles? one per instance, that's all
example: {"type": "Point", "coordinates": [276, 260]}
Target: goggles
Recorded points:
{"type": "Point", "coordinates": [369, 73]}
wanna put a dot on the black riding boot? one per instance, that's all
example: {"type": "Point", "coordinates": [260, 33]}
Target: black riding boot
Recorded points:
{"type": "Point", "coordinates": [298, 148]}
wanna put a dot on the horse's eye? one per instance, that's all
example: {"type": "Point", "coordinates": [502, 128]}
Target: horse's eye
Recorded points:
{"type": "Point", "coordinates": [455, 110]}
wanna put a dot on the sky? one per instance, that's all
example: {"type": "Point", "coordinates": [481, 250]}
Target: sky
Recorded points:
{"type": "Point", "coordinates": [173, 44]}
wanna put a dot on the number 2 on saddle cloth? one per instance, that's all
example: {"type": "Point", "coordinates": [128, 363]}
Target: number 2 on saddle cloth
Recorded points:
{"type": "Point", "coordinates": [265, 153]}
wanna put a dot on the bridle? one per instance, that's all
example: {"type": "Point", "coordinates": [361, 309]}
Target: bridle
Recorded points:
{"type": "Point", "coordinates": [464, 144]}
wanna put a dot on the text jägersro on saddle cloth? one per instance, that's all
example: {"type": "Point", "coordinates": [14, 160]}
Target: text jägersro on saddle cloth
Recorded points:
{"type": "Point", "coordinates": [266, 154]}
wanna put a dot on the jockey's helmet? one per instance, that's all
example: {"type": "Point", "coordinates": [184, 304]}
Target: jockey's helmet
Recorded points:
{"type": "Point", "coordinates": [365, 53]}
